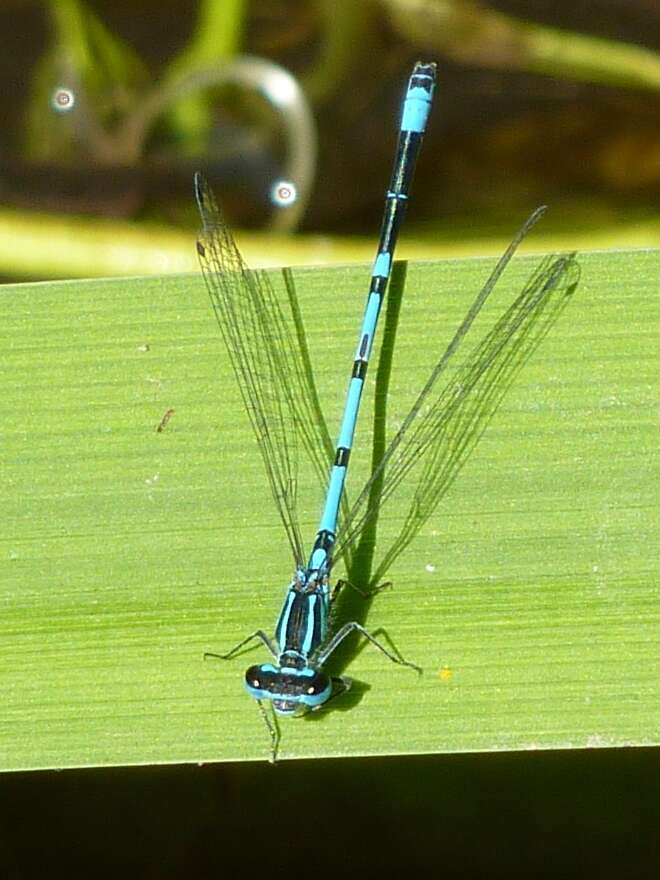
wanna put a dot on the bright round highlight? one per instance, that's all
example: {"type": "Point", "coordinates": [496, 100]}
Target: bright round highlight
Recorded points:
{"type": "Point", "coordinates": [62, 100]}
{"type": "Point", "coordinates": [283, 193]}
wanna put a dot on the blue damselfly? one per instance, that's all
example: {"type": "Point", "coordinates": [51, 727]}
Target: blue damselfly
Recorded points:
{"type": "Point", "coordinates": [437, 435]}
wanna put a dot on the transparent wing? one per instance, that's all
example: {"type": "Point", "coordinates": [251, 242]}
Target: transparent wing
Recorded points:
{"type": "Point", "coordinates": [271, 369]}
{"type": "Point", "coordinates": [310, 421]}
{"type": "Point", "coordinates": [445, 423]}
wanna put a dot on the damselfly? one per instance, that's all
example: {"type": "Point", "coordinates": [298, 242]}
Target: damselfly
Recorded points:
{"type": "Point", "coordinates": [437, 435]}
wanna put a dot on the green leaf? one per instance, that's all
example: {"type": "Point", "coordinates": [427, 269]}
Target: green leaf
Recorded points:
{"type": "Point", "coordinates": [529, 598]}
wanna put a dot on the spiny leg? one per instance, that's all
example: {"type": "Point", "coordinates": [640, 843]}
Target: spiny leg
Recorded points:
{"type": "Point", "coordinates": [366, 594]}
{"type": "Point", "coordinates": [257, 634]}
{"type": "Point", "coordinates": [354, 626]}
{"type": "Point", "coordinates": [273, 730]}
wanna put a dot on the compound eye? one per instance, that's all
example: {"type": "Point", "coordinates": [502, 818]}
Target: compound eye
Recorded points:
{"type": "Point", "coordinates": [253, 677]}
{"type": "Point", "coordinates": [317, 685]}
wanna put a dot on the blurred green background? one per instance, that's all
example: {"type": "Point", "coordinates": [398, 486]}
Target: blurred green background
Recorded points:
{"type": "Point", "coordinates": [108, 108]}
{"type": "Point", "coordinates": [114, 105]}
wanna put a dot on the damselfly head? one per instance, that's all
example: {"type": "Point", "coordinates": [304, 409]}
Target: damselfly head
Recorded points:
{"type": "Point", "coordinates": [291, 691]}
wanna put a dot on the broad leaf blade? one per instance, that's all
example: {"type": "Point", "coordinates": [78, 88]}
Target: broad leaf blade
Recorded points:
{"type": "Point", "coordinates": [530, 597]}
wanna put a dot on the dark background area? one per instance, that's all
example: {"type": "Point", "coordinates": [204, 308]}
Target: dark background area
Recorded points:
{"type": "Point", "coordinates": [547, 814]}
